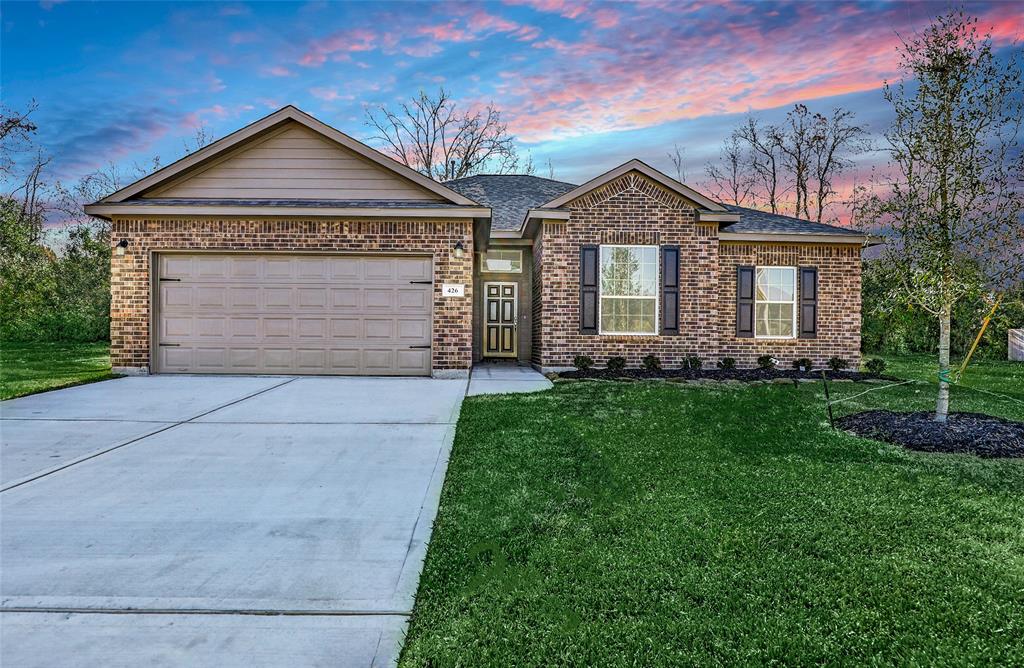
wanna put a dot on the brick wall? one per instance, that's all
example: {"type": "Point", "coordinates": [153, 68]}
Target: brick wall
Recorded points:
{"type": "Point", "coordinates": [629, 210]}
{"type": "Point", "coordinates": [635, 210]}
{"type": "Point", "coordinates": [838, 302]}
{"type": "Point", "coordinates": [130, 273]}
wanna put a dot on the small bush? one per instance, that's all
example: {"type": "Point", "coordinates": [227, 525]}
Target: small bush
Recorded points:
{"type": "Point", "coordinates": [875, 366]}
{"type": "Point", "coordinates": [652, 363]}
{"type": "Point", "coordinates": [616, 363]}
{"type": "Point", "coordinates": [583, 362]}
{"type": "Point", "coordinates": [838, 364]}
{"type": "Point", "coordinates": [767, 362]}
{"type": "Point", "coordinates": [727, 363]}
{"type": "Point", "coordinates": [692, 362]}
{"type": "Point", "coordinates": [804, 363]}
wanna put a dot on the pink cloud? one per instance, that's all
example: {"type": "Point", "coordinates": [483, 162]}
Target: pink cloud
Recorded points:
{"type": "Point", "coordinates": [278, 71]}
{"type": "Point", "coordinates": [342, 42]}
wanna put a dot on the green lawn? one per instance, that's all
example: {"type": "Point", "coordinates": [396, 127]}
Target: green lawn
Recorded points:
{"type": "Point", "coordinates": [991, 375]}
{"type": "Point", "coordinates": [26, 368]}
{"type": "Point", "coordinates": [647, 524]}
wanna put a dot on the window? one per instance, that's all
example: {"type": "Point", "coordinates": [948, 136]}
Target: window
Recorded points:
{"type": "Point", "coordinates": [775, 303]}
{"type": "Point", "coordinates": [502, 261]}
{"type": "Point", "coordinates": [629, 290]}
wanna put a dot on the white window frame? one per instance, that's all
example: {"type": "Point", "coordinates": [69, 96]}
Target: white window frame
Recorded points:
{"type": "Point", "coordinates": [795, 302]}
{"type": "Point", "coordinates": [483, 262]}
{"type": "Point", "coordinates": [656, 297]}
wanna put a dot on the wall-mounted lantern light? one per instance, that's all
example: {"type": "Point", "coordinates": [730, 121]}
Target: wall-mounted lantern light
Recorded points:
{"type": "Point", "coordinates": [121, 245]}
{"type": "Point", "coordinates": [460, 250]}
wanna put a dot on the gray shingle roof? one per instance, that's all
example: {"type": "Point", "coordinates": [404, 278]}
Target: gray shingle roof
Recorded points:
{"type": "Point", "coordinates": [754, 221]}
{"type": "Point", "coordinates": [510, 196]}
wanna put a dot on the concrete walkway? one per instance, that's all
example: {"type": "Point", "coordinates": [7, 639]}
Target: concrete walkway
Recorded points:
{"type": "Point", "coordinates": [229, 521]}
{"type": "Point", "coordinates": [496, 378]}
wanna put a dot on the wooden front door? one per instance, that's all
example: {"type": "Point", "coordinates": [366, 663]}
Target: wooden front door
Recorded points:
{"type": "Point", "coordinates": [501, 315]}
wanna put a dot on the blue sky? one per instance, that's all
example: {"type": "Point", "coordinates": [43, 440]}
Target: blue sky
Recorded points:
{"type": "Point", "coordinates": [586, 84]}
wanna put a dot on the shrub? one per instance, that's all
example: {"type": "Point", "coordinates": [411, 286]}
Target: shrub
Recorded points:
{"type": "Point", "coordinates": [727, 363]}
{"type": "Point", "coordinates": [803, 363]}
{"type": "Point", "coordinates": [767, 362]}
{"type": "Point", "coordinates": [583, 362]}
{"type": "Point", "coordinates": [652, 363]}
{"type": "Point", "coordinates": [838, 364]}
{"type": "Point", "coordinates": [875, 366]}
{"type": "Point", "coordinates": [616, 363]}
{"type": "Point", "coordinates": [692, 362]}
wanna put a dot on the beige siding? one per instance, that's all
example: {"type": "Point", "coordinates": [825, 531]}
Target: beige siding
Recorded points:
{"type": "Point", "coordinates": [294, 163]}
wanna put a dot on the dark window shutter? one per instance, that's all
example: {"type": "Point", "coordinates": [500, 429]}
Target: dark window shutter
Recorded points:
{"type": "Point", "coordinates": [588, 289]}
{"type": "Point", "coordinates": [745, 301]}
{"type": "Point", "coordinates": [808, 302]}
{"type": "Point", "coordinates": [669, 290]}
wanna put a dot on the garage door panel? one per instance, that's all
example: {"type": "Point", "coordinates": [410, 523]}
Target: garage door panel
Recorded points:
{"type": "Point", "coordinates": [294, 314]}
{"type": "Point", "coordinates": [239, 298]}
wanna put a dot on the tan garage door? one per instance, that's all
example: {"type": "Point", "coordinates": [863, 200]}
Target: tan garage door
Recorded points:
{"type": "Point", "coordinates": [293, 314]}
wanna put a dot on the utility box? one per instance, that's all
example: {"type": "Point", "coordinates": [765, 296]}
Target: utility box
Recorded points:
{"type": "Point", "coordinates": [1015, 345]}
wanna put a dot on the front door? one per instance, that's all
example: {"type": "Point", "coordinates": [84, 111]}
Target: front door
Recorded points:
{"type": "Point", "coordinates": [501, 306]}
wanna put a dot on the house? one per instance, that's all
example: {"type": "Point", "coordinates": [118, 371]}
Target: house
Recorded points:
{"type": "Point", "coordinates": [289, 247]}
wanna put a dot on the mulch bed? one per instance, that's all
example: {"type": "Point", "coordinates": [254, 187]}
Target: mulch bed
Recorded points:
{"type": "Point", "coordinates": [745, 375]}
{"type": "Point", "coordinates": [972, 433]}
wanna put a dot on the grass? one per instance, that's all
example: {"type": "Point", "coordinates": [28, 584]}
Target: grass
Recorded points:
{"type": "Point", "coordinates": [27, 368]}
{"type": "Point", "coordinates": [647, 524]}
{"type": "Point", "coordinates": [989, 375]}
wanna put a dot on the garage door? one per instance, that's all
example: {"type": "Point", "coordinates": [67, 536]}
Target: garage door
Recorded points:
{"type": "Point", "coordinates": [293, 314]}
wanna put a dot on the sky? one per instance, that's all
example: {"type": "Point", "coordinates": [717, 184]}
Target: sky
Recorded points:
{"type": "Point", "coordinates": [586, 85]}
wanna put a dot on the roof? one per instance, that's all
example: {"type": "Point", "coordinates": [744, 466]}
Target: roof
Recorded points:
{"type": "Point", "coordinates": [208, 154]}
{"type": "Point", "coordinates": [510, 196]}
{"type": "Point", "coordinates": [753, 221]}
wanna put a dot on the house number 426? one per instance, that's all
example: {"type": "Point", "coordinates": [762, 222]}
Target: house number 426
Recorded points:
{"type": "Point", "coordinates": [453, 290]}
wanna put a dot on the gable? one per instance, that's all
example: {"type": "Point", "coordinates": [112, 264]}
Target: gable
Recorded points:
{"type": "Point", "coordinates": [638, 168]}
{"type": "Point", "coordinates": [631, 181]}
{"type": "Point", "coordinates": [293, 162]}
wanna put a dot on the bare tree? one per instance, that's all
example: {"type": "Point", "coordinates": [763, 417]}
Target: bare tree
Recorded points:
{"type": "Point", "coordinates": [730, 180]}
{"type": "Point", "coordinates": [795, 142]}
{"type": "Point", "coordinates": [954, 203]}
{"type": "Point", "coordinates": [835, 140]}
{"type": "Point", "coordinates": [431, 134]}
{"type": "Point", "coordinates": [678, 157]}
{"type": "Point", "coordinates": [551, 169]}
{"type": "Point", "coordinates": [765, 159]}
{"type": "Point", "coordinates": [16, 131]}
{"type": "Point", "coordinates": [201, 137]}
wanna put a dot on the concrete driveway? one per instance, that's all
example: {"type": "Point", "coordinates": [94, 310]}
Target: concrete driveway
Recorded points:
{"type": "Point", "coordinates": [229, 521]}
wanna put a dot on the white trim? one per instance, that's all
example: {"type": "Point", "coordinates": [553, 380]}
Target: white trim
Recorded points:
{"type": "Point", "coordinates": [288, 113]}
{"type": "Point", "coordinates": [794, 302]}
{"type": "Point", "coordinates": [656, 297]}
{"type": "Point", "coordinates": [645, 169]}
{"type": "Point", "coordinates": [515, 327]}
{"type": "Point", "coordinates": [105, 210]}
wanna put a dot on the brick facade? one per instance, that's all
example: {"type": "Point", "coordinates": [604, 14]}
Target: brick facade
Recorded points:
{"type": "Point", "coordinates": [635, 210]}
{"type": "Point", "coordinates": [131, 285]}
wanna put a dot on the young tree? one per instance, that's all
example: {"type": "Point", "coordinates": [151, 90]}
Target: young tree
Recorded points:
{"type": "Point", "coordinates": [953, 197]}
{"type": "Point", "coordinates": [431, 134]}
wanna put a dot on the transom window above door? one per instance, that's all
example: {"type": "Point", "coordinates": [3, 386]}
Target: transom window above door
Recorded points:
{"type": "Point", "coordinates": [629, 290]}
{"type": "Point", "coordinates": [775, 303]}
{"type": "Point", "coordinates": [496, 261]}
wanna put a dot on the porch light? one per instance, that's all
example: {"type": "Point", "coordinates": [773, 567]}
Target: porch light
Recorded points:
{"type": "Point", "coordinates": [121, 245]}
{"type": "Point", "coordinates": [460, 250]}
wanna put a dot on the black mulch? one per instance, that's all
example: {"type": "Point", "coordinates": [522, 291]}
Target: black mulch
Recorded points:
{"type": "Point", "coordinates": [973, 433]}
{"type": "Point", "coordinates": [745, 375]}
